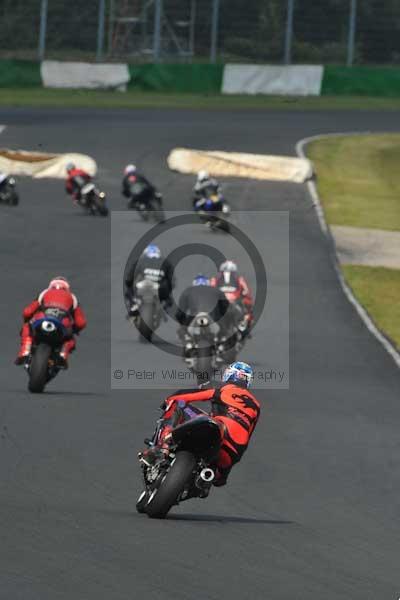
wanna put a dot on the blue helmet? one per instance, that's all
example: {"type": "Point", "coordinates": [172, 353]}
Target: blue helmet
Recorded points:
{"type": "Point", "coordinates": [152, 251]}
{"type": "Point", "coordinates": [201, 280]}
{"type": "Point", "coordinates": [238, 372]}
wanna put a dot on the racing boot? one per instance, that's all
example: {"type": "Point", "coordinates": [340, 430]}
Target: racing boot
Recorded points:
{"type": "Point", "coordinates": [221, 477]}
{"type": "Point", "coordinates": [24, 351]}
{"type": "Point", "coordinates": [66, 350]}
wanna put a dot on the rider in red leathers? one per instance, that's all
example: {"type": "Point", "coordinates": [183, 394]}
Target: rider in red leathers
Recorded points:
{"type": "Point", "coordinates": [234, 408]}
{"type": "Point", "coordinates": [235, 288]}
{"type": "Point", "coordinates": [76, 180]}
{"type": "Point", "coordinates": [59, 296]}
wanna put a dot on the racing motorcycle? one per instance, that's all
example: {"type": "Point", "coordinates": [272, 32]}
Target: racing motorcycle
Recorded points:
{"type": "Point", "coordinates": [214, 212]}
{"type": "Point", "coordinates": [48, 333]}
{"type": "Point", "coordinates": [201, 352]}
{"type": "Point", "coordinates": [205, 350]}
{"type": "Point", "coordinates": [92, 200]}
{"type": "Point", "coordinates": [149, 311]}
{"type": "Point", "coordinates": [8, 192]}
{"type": "Point", "coordinates": [186, 470]}
{"type": "Point", "coordinates": [149, 209]}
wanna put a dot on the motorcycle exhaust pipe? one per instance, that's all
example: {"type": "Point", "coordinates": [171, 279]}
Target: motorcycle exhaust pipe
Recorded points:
{"type": "Point", "coordinates": [205, 478]}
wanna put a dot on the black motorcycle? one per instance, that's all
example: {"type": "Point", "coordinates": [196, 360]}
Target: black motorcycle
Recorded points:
{"type": "Point", "coordinates": [93, 201]}
{"type": "Point", "coordinates": [148, 313]}
{"type": "Point", "coordinates": [205, 350]}
{"type": "Point", "coordinates": [8, 192]}
{"type": "Point", "coordinates": [148, 206]}
{"type": "Point", "coordinates": [48, 334]}
{"type": "Point", "coordinates": [201, 349]}
{"type": "Point", "coordinates": [186, 470]}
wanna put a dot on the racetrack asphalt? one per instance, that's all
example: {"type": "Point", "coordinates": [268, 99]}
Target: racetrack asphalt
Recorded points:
{"type": "Point", "coordinates": [310, 513]}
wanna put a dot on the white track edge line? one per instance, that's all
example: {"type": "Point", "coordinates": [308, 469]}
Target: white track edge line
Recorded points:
{"type": "Point", "coordinates": [312, 188]}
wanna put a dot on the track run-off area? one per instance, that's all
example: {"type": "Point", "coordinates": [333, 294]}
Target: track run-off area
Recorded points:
{"type": "Point", "coordinates": [312, 510]}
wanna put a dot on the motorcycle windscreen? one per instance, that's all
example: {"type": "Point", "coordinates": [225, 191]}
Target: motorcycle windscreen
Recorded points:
{"type": "Point", "coordinates": [201, 436]}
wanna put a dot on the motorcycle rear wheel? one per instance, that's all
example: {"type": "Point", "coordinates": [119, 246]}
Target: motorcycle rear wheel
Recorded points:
{"type": "Point", "coordinates": [166, 494]}
{"type": "Point", "coordinates": [144, 323]}
{"type": "Point", "coordinates": [39, 368]}
{"type": "Point", "coordinates": [142, 501]}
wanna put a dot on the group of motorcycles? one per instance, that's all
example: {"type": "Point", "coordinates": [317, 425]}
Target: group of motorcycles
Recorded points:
{"type": "Point", "coordinates": [204, 349]}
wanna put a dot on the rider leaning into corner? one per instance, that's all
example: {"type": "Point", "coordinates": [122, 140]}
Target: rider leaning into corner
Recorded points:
{"type": "Point", "coordinates": [233, 407]}
{"type": "Point", "coordinates": [76, 180]}
{"type": "Point", "coordinates": [57, 295]}
{"type": "Point", "coordinates": [148, 190]}
{"type": "Point", "coordinates": [152, 266]}
{"type": "Point", "coordinates": [203, 188]}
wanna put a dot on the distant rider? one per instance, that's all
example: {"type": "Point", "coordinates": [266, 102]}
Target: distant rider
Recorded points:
{"type": "Point", "coordinates": [233, 407]}
{"type": "Point", "coordinates": [58, 296]}
{"type": "Point", "coordinates": [205, 187]}
{"type": "Point", "coordinates": [230, 282]}
{"type": "Point", "coordinates": [76, 180]}
{"type": "Point", "coordinates": [152, 266]}
{"type": "Point", "coordinates": [138, 189]}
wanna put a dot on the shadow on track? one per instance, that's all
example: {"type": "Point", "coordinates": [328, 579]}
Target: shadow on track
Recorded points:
{"type": "Point", "coordinates": [24, 392]}
{"type": "Point", "coordinates": [227, 519]}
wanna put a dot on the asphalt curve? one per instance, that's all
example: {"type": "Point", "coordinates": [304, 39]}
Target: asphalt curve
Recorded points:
{"type": "Point", "coordinates": [311, 512]}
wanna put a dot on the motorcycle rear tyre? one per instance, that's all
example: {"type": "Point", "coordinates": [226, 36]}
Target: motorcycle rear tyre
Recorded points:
{"type": "Point", "coordinates": [163, 498]}
{"type": "Point", "coordinates": [39, 368]}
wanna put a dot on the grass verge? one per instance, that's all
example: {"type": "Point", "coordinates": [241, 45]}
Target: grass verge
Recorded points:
{"type": "Point", "coordinates": [378, 289]}
{"type": "Point", "coordinates": [359, 179]}
{"type": "Point", "coordinates": [359, 185]}
{"type": "Point", "coordinates": [41, 97]}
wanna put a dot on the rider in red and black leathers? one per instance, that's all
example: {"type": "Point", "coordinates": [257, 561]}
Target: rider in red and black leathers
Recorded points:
{"type": "Point", "coordinates": [234, 408]}
{"type": "Point", "coordinates": [57, 296]}
{"type": "Point", "coordinates": [76, 180]}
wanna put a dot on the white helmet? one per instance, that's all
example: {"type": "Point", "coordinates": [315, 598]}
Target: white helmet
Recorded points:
{"type": "Point", "coordinates": [130, 169]}
{"type": "Point", "coordinates": [59, 283]}
{"type": "Point", "coordinates": [229, 265]}
{"type": "Point", "coordinates": [203, 176]}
